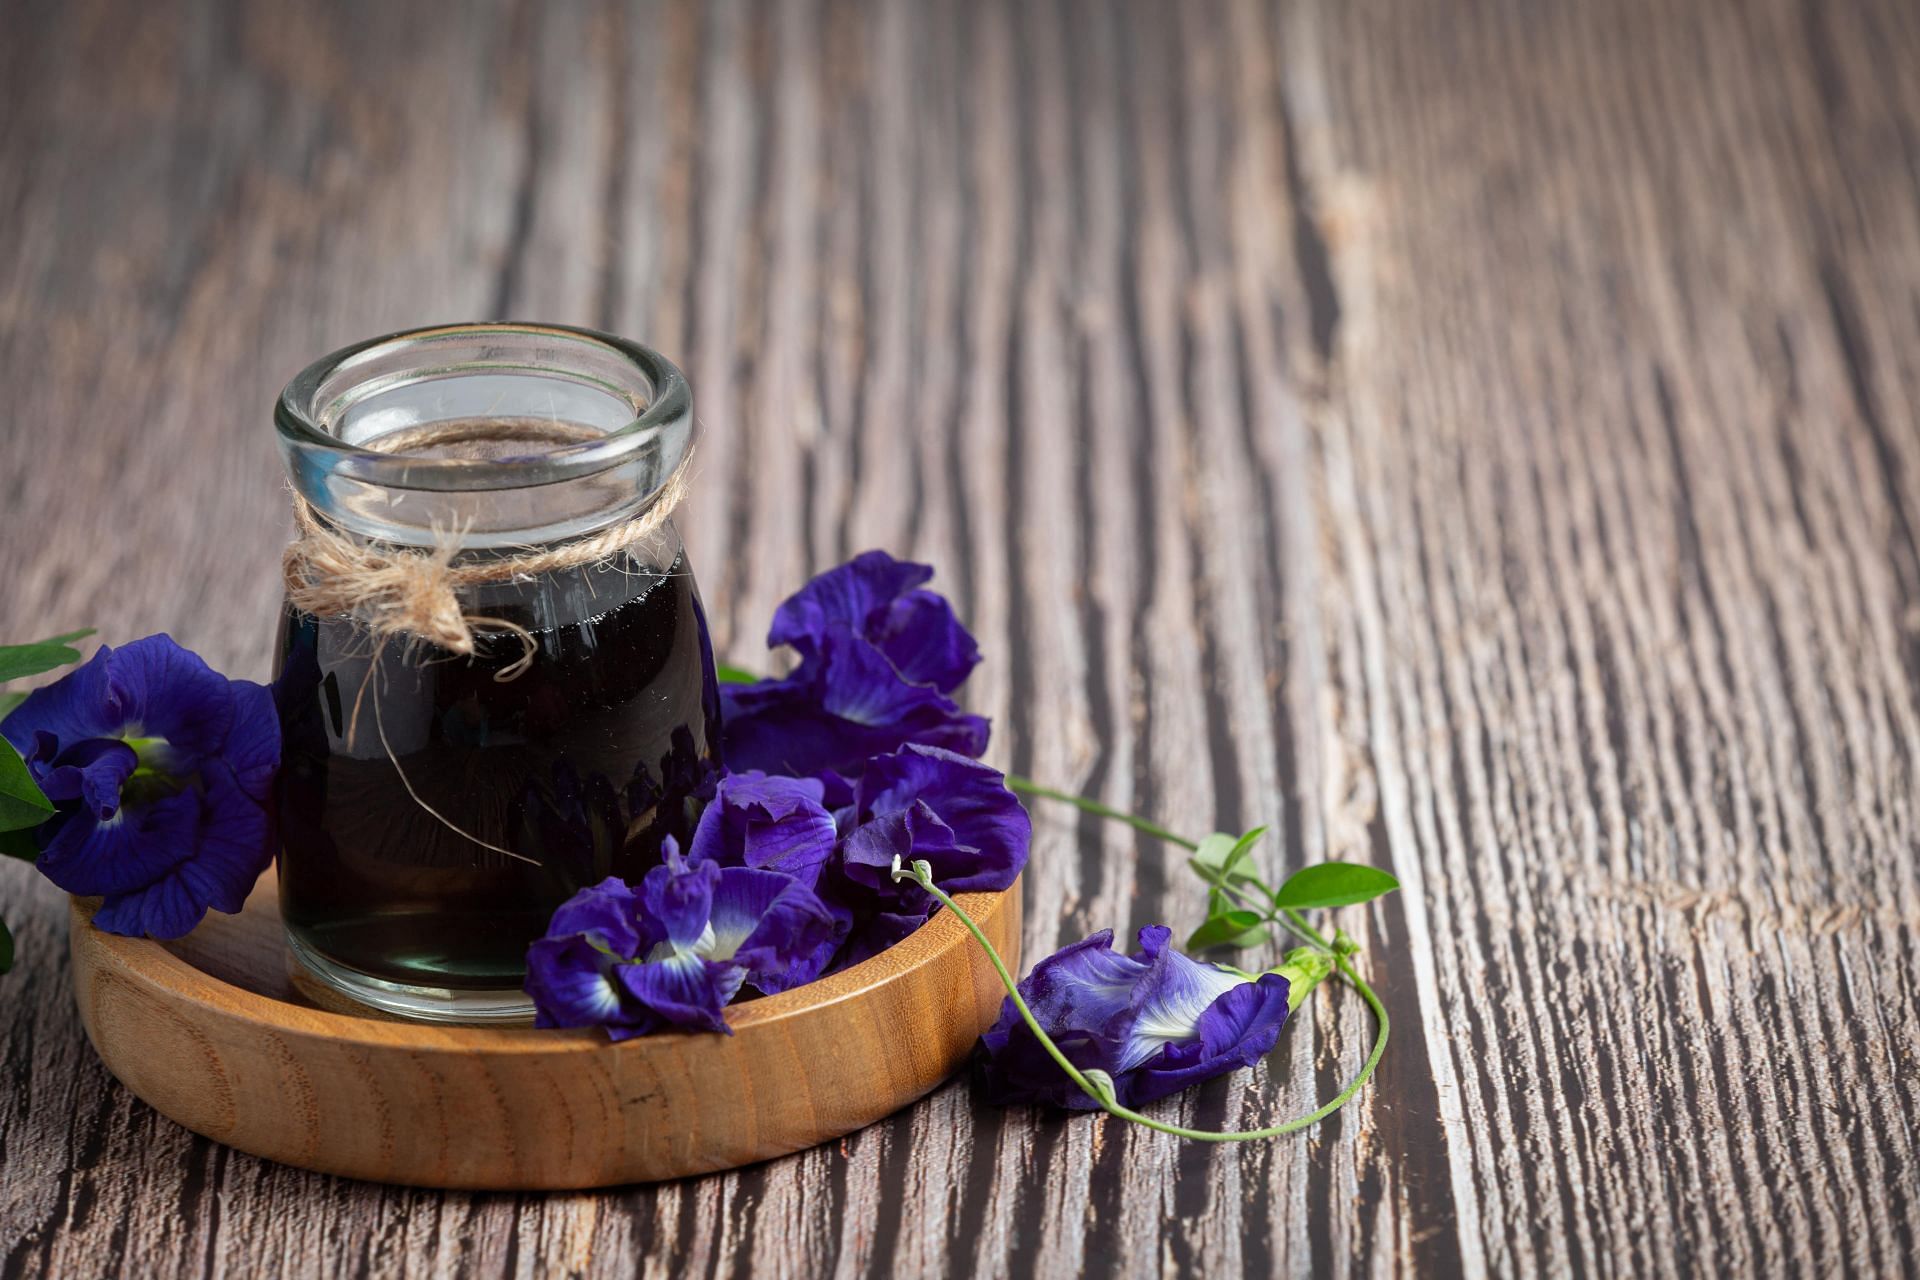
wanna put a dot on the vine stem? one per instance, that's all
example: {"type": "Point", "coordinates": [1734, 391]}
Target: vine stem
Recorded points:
{"type": "Point", "coordinates": [922, 873]}
{"type": "Point", "coordinates": [1029, 787]}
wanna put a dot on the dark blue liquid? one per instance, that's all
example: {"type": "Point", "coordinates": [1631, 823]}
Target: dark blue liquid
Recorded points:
{"type": "Point", "coordinates": [579, 767]}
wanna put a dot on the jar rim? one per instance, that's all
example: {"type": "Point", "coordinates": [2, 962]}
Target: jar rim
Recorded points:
{"type": "Point", "coordinates": [661, 422]}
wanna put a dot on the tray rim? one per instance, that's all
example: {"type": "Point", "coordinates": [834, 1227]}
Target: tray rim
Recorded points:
{"type": "Point", "coordinates": [150, 964]}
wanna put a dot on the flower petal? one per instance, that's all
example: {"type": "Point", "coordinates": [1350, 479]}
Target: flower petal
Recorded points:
{"type": "Point", "coordinates": [1236, 1030]}
{"type": "Point", "coordinates": [844, 597]}
{"type": "Point", "coordinates": [90, 772]}
{"type": "Point", "coordinates": [252, 747]}
{"type": "Point", "coordinates": [571, 982]}
{"type": "Point", "coordinates": [234, 843]}
{"type": "Point", "coordinates": [771, 822]}
{"type": "Point", "coordinates": [741, 897]}
{"type": "Point", "coordinates": [167, 908]}
{"type": "Point", "coordinates": [168, 692]}
{"type": "Point", "coordinates": [606, 913]}
{"type": "Point", "coordinates": [684, 990]}
{"type": "Point", "coordinates": [195, 831]}
{"type": "Point", "coordinates": [794, 726]}
{"type": "Point", "coordinates": [773, 926]}
{"type": "Point", "coordinates": [877, 658]}
{"type": "Point", "coordinates": [875, 931]}
{"type": "Point", "coordinates": [924, 641]}
{"type": "Point", "coordinates": [79, 705]}
{"type": "Point", "coordinates": [130, 851]}
{"type": "Point", "coordinates": [679, 897]}
{"type": "Point", "coordinates": [861, 685]}
{"type": "Point", "coordinates": [956, 813]}
{"type": "Point", "coordinates": [1170, 998]}
{"type": "Point", "coordinates": [1082, 995]}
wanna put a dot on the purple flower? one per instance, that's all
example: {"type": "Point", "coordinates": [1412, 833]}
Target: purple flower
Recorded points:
{"type": "Point", "coordinates": [159, 769]}
{"type": "Point", "coordinates": [877, 598]}
{"type": "Point", "coordinates": [956, 813]}
{"type": "Point", "coordinates": [878, 657]}
{"type": "Point", "coordinates": [922, 802]}
{"type": "Point", "coordinates": [1156, 1021]}
{"type": "Point", "coordinates": [677, 951]}
{"type": "Point", "coordinates": [779, 824]}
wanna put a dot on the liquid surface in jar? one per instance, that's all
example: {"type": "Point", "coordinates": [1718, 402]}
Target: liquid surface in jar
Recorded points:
{"type": "Point", "coordinates": [578, 767]}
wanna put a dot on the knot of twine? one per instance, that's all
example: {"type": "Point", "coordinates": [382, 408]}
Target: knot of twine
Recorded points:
{"type": "Point", "coordinates": [413, 593]}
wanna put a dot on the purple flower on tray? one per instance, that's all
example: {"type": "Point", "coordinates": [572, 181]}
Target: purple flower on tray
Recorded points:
{"type": "Point", "coordinates": [159, 769]}
{"type": "Point", "coordinates": [878, 657]}
{"type": "Point", "coordinates": [757, 820]}
{"type": "Point", "coordinates": [922, 802]}
{"type": "Point", "coordinates": [675, 952]}
{"type": "Point", "coordinates": [1156, 1021]}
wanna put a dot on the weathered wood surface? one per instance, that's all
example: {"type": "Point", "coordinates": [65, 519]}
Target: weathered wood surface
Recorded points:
{"type": "Point", "coordinates": [1481, 438]}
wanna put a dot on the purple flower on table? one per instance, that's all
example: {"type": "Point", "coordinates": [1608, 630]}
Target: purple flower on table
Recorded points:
{"type": "Point", "coordinates": [878, 657]}
{"type": "Point", "coordinates": [1155, 1021]}
{"type": "Point", "coordinates": [158, 768]}
{"type": "Point", "coordinates": [677, 951]}
{"type": "Point", "coordinates": [925, 803]}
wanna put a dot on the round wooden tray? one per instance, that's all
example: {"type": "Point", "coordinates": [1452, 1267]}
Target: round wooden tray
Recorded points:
{"type": "Point", "coordinates": [213, 1032]}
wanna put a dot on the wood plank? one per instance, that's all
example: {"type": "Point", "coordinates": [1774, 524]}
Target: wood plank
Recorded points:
{"type": "Point", "coordinates": [1478, 439]}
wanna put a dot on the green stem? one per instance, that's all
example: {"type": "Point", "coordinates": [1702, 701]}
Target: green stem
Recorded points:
{"type": "Point", "coordinates": [1029, 787]}
{"type": "Point", "coordinates": [922, 873]}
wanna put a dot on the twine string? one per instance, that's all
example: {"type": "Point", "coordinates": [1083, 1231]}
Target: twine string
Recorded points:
{"type": "Point", "coordinates": [413, 593]}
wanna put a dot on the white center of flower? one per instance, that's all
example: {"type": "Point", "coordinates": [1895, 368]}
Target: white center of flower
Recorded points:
{"type": "Point", "coordinates": [1176, 1018]}
{"type": "Point", "coordinates": [705, 946]}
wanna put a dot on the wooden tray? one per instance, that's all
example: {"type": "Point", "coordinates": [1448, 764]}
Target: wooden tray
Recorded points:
{"type": "Point", "coordinates": [212, 1031]}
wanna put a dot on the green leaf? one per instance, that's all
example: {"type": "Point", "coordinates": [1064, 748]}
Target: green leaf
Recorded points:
{"type": "Point", "coordinates": [1243, 848]}
{"type": "Point", "coordinates": [1220, 856]}
{"type": "Point", "coordinates": [21, 804]}
{"type": "Point", "coordinates": [734, 675]}
{"type": "Point", "coordinates": [1214, 851]}
{"type": "Point", "coordinates": [6, 948]}
{"type": "Point", "coordinates": [18, 660]}
{"type": "Point", "coordinates": [1333, 884]}
{"type": "Point", "coordinates": [1228, 929]}
{"type": "Point", "coordinates": [8, 701]}
{"type": "Point", "coordinates": [67, 637]}
{"type": "Point", "coordinates": [20, 844]}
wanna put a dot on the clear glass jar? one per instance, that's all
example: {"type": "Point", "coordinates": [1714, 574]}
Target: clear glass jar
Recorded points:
{"type": "Point", "coordinates": [435, 808]}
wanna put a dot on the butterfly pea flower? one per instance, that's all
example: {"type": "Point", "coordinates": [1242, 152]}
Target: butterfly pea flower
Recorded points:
{"type": "Point", "coordinates": [159, 770]}
{"type": "Point", "coordinates": [882, 600]}
{"type": "Point", "coordinates": [778, 824]}
{"type": "Point", "coordinates": [675, 952]}
{"type": "Point", "coordinates": [760, 820]}
{"type": "Point", "coordinates": [1156, 1021]}
{"type": "Point", "coordinates": [878, 657]}
{"type": "Point", "coordinates": [924, 803]}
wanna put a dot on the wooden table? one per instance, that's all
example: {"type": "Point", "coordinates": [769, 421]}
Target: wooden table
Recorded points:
{"type": "Point", "coordinates": [1480, 439]}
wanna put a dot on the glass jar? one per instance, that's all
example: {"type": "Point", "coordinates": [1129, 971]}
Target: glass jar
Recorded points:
{"type": "Point", "coordinates": [435, 807]}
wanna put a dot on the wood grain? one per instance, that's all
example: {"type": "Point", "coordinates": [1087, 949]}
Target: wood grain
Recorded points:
{"type": "Point", "coordinates": [215, 1033]}
{"type": "Point", "coordinates": [1478, 438]}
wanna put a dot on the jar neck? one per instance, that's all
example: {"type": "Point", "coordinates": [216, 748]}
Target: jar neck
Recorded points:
{"type": "Point", "coordinates": [488, 436]}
